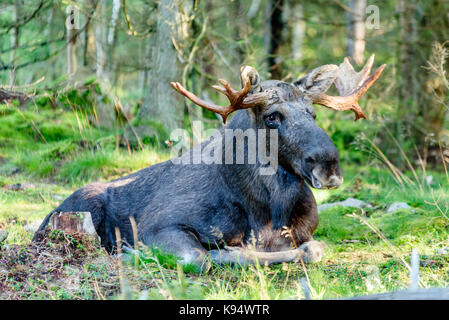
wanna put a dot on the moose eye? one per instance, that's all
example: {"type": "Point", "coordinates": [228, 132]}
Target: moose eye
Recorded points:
{"type": "Point", "coordinates": [273, 120]}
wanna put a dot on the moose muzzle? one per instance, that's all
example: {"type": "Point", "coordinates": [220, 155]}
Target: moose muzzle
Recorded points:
{"type": "Point", "coordinates": [321, 168]}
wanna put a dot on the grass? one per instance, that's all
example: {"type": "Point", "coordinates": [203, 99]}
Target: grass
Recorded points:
{"type": "Point", "coordinates": [367, 250]}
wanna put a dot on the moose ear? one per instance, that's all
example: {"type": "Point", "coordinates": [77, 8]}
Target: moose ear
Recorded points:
{"type": "Point", "coordinates": [318, 80]}
{"type": "Point", "coordinates": [251, 74]}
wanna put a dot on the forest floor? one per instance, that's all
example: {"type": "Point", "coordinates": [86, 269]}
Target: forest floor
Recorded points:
{"type": "Point", "coordinates": [45, 156]}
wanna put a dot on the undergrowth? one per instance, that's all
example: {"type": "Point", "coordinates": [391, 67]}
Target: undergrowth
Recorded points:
{"type": "Point", "coordinates": [53, 152]}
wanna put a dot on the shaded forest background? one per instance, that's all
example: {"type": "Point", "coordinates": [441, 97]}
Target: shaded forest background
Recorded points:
{"type": "Point", "coordinates": [113, 60]}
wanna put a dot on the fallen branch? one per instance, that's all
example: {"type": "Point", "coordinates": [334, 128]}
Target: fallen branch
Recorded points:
{"type": "Point", "coordinates": [8, 96]}
{"type": "Point", "coordinates": [413, 292]}
{"type": "Point", "coordinates": [420, 294]}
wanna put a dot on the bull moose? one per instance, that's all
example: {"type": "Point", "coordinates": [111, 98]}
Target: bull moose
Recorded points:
{"type": "Point", "coordinates": [230, 212]}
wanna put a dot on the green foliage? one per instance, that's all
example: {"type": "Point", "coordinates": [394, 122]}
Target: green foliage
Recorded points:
{"type": "Point", "coordinates": [63, 146]}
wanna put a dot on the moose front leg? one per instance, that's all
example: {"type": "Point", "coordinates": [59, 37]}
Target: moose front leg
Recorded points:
{"type": "Point", "coordinates": [309, 252]}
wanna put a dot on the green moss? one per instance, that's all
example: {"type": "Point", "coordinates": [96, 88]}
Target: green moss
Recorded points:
{"type": "Point", "coordinates": [63, 146]}
{"type": "Point", "coordinates": [412, 222]}
{"type": "Point", "coordinates": [336, 226]}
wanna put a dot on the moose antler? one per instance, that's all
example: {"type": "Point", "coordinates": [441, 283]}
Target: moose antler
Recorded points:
{"type": "Point", "coordinates": [238, 99]}
{"type": "Point", "coordinates": [351, 85]}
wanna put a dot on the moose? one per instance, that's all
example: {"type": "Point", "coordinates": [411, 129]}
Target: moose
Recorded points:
{"type": "Point", "coordinates": [229, 212]}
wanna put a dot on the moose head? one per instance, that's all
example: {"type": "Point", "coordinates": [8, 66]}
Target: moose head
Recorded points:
{"type": "Point", "coordinates": [304, 148]}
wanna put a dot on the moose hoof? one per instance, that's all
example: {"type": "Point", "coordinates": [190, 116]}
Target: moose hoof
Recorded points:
{"type": "Point", "coordinates": [313, 251]}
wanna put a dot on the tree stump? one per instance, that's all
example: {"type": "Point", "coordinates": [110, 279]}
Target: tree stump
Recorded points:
{"type": "Point", "coordinates": [73, 222]}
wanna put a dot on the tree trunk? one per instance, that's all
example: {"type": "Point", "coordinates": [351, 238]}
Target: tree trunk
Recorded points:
{"type": "Point", "coordinates": [14, 43]}
{"type": "Point", "coordinates": [100, 40]}
{"type": "Point", "coordinates": [71, 45]}
{"type": "Point", "coordinates": [298, 28]}
{"type": "Point", "coordinates": [237, 13]}
{"type": "Point", "coordinates": [409, 86]}
{"type": "Point", "coordinates": [88, 8]}
{"type": "Point", "coordinates": [105, 112]}
{"type": "Point", "coordinates": [50, 35]}
{"type": "Point", "coordinates": [145, 51]}
{"type": "Point", "coordinates": [145, 61]}
{"type": "Point", "coordinates": [112, 34]}
{"type": "Point", "coordinates": [276, 26]}
{"type": "Point", "coordinates": [356, 30]}
{"type": "Point", "coordinates": [162, 105]}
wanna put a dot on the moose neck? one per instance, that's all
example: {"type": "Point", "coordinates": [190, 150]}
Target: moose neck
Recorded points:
{"type": "Point", "coordinates": [270, 197]}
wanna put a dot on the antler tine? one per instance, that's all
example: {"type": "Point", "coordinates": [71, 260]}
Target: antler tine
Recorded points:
{"type": "Point", "coordinates": [209, 106]}
{"type": "Point", "coordinates": [351, 85]}
{"type": "Point", "coordinates": [367, 68]}
{"type": "Point", "coordinates": [219, 89]}
{"type": "Point", "coordinates": [238, 99]}
{"type": "Point", "coordinates": [369, 82]}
